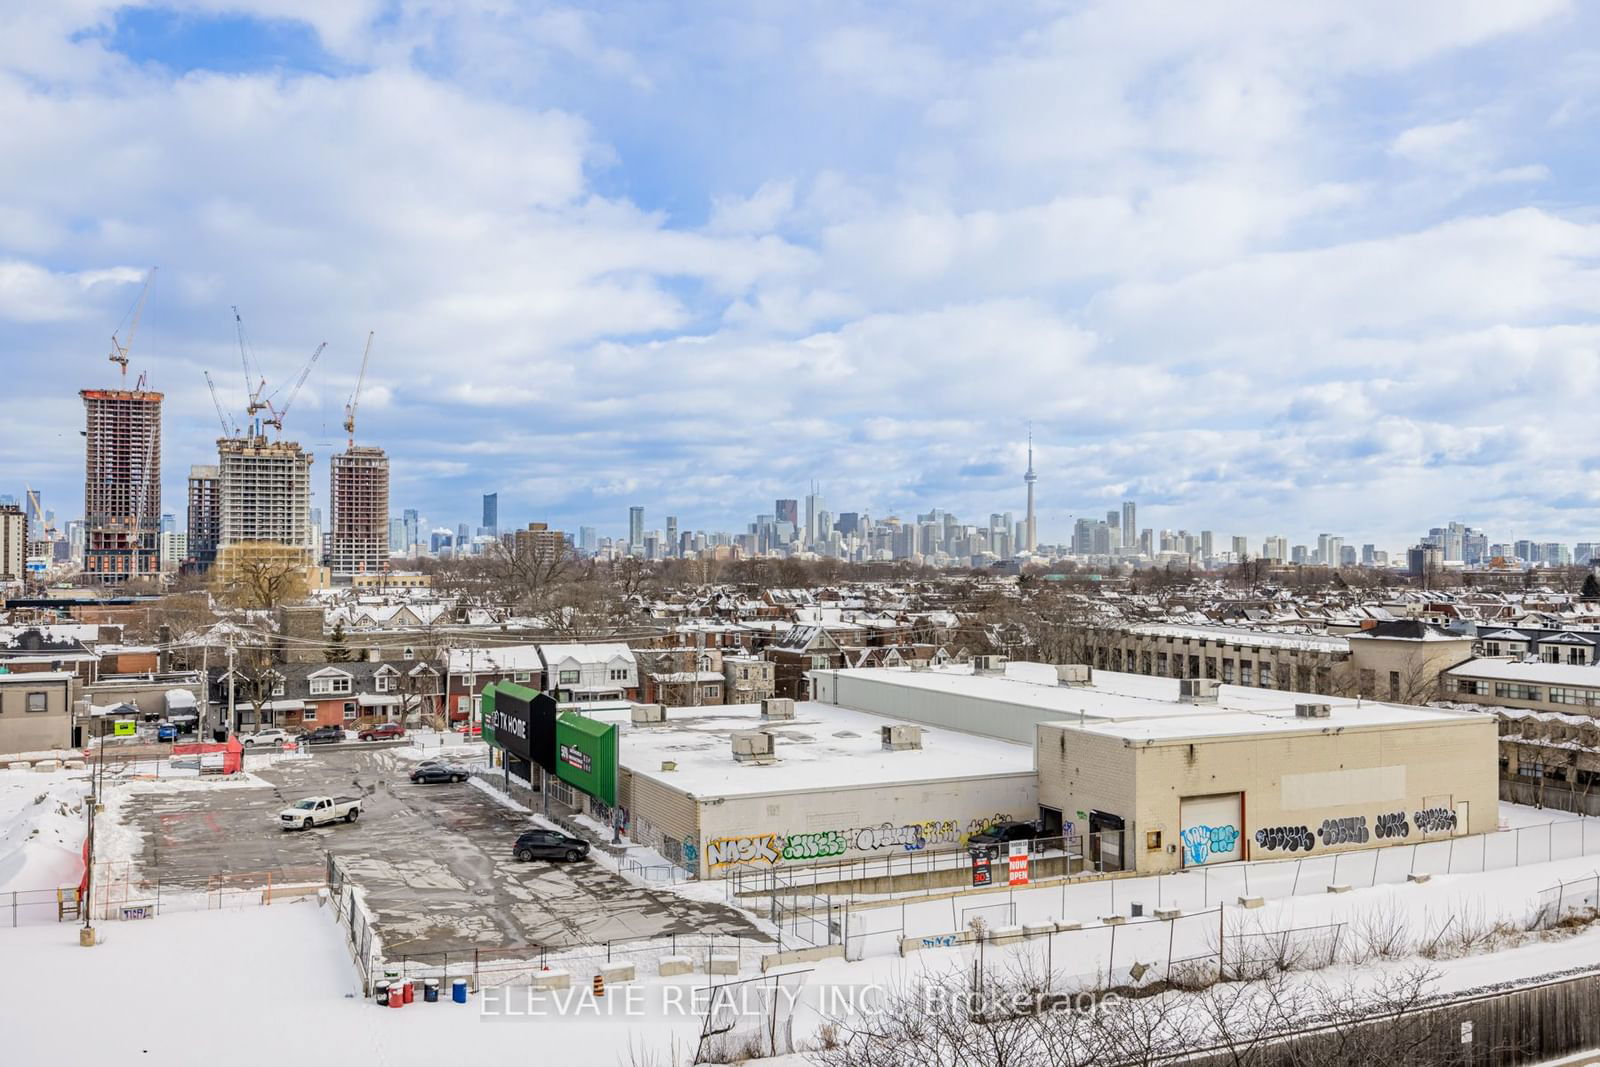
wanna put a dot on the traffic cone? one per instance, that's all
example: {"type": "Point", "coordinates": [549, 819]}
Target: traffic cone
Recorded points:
{"type": "Point", "coordinates": [599, 986]}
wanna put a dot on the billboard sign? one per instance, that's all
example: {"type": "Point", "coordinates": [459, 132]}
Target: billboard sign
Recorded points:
{"type": "Point", "coordinates": [522, 721]}
{"type": "Point", "coordinates": [1017, 863]}
{"type": "Point", "coordinates": [982, 874]}
{"type": "Point", "coordinates": [587, 750]}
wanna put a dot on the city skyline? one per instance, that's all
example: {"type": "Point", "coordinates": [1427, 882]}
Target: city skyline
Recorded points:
{"type": "Point", "coordinates": [1254, 295]}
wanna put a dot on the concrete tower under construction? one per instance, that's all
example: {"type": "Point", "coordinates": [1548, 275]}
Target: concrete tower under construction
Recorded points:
{"type": "Point", "coordinates": [121, 484]}
{"type": "Point", "coordinates": [358, 504]}
{"type": "Point", "coordinates": [265, 495]}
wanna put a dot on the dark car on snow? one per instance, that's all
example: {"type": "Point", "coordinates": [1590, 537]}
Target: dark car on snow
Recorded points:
{"type": "Point", "coordinates": [550, 845]}
{"type": "Point", "coordinates": [439, 772]}
{"type": "Point", "coordinates": [997, 838]}
{"type": "Point", "coordinates": [324, 735]}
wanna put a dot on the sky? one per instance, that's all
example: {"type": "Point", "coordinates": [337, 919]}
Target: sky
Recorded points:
{"type": "Point", "coordinates": [1264, 268]}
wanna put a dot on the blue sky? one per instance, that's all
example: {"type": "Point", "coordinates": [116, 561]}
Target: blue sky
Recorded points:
{"type": "Point", "coordinates": [1265, 268]}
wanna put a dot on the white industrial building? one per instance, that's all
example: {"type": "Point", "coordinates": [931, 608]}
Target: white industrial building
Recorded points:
{"type": "Point", "coordinates": [726, 787]}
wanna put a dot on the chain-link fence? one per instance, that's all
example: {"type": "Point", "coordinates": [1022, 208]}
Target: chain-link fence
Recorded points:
{"type": "Point", "coordinates": [751, 1019]}
{"type": "Point", "coordinates": [1577, 901]}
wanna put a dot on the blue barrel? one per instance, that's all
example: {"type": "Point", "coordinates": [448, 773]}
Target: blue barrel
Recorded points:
{"type": "Point", "coordinates": [458, 990]}
{"type": "Point", "coordinates": [430, 990]}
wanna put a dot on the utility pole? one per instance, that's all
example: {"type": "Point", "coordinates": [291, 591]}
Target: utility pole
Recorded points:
{"type": "Point", "coordinates": [205, 691]}
{"type": "Point", "coordinates": [232, 714]}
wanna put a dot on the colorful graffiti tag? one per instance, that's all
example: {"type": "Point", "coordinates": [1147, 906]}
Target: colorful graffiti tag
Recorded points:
{"type": "Point", "coordinates": [1199, 842]}
{"type": "Point", "coordinates": [769, 849]}
{"type": "Point", "coordinates": [813, 846]}
{"type": "Point", "coordinates": [758, 848]}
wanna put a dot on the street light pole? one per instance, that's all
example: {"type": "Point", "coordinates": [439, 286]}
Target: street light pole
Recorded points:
{"type": "Point", "coordinates": [232, 712]}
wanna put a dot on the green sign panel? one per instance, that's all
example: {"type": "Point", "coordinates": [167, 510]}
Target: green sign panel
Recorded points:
{"type": "Point", "coordinates": [486, 715]}
{"type": "Point", "coordinates": [124, 728]}
{"type": "Point", "coordinates": [586, 755]}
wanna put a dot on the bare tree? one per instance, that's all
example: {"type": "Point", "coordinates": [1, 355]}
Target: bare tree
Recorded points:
{"type": "Point", "coordinates": [260, 575]}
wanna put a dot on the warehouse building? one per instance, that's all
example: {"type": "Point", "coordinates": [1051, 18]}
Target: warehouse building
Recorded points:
{"type": "Point", "coordinates": [722, 788]}
{"type": "Point", "coordinates": [1164, 773]}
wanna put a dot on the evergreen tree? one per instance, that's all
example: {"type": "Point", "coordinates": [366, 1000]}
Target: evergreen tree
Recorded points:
{"type": "Point", "coordinates": [1591, 587]}
{"type": "Point", "coordinates": [338, 651]}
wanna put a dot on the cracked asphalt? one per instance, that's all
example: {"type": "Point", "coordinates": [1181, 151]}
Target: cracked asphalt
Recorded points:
{"type": "Point", "coordinates": [434, 860]}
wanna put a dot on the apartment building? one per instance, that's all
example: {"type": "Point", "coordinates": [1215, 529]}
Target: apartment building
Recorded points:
{"type": "Point", "coordinates": [358, 501]}
{"type": "Point", "coordinates": [121, 484]}
{"type": "Point", "coordinates": [13, 543]}
{"type": "Point", "coordinates": [205, 517]}
{"type": "Point", "coordinates": [265, 495]}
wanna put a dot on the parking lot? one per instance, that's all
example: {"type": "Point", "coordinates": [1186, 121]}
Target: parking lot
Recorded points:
{"type": "Point", "coordinates": [434, 860]}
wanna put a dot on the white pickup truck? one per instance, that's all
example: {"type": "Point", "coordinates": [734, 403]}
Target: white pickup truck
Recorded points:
{"type": "Point", "coordinates": [315, 811]}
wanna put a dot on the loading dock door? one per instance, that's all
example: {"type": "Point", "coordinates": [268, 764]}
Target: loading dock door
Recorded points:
{"type": "Point", "coordinates": [1211, 829]}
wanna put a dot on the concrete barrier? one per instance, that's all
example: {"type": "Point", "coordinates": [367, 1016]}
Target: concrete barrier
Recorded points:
{"type": "Point", "coordinates": [671, 965]}
{"type": "Point", "coordinates": [1005, 935]}
{"type": "Point", "coordinates": [1419, 879]}
{"type": "Point", "coordinates": [803, 955]}
{"type": "Point", "coordinates": [1252, 902]}
{"type": "Point", "coordinates": [47, 765]}
{"type": "Point", "coordinates": [1065, 926]}
{"type": "Point", "coordinates": [1113, 920]}
{"type": "Point", "coordinates": [552, 979]}
{"type": "Point", "coordinates": [722, 965]}
{"type": "Point", "coordinates": [1338, 887]}
{"type": "Point", "coordinates": [617, 972]}
{"type": "Point", "coordinates": [1038, 929]}
{"type": "Point", "coordinates": [1168, 914]}
{"type": "Point", "coordinates": [18, 765]}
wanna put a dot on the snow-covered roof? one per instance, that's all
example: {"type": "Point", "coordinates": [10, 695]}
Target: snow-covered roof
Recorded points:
{"type": "Point", "coordinates": [822, 747]}
{"type": "Point", "coordinates": [587, 653]}
{"type": "Point", "coordinates": [1502, 670]}
{"type": "Point", "coordinates": [496, 659]}
{"type": "Point", "coordinates": [1242, 636]}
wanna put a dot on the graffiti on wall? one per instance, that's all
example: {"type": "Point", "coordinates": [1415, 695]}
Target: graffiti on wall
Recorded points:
{"type": "Point", "coordinates": [691, 855]}
{"type": "Point", "coordinates": [1349, 830]}
{"type": "Point", "coordinates": [1434, 820]}
{"type": "Point", "coordinates": [813, 846]}
{"type": "Point", "coordinates": [758, 848]}
{"type": "Point", "coordinates": [1199, 842]}
{"type": "Point", "coordinates": [768, 849]}
{"type": "Point", "coordinates": [1286, 838]}
{"type": "Point", "coordinates": [1392, 824]}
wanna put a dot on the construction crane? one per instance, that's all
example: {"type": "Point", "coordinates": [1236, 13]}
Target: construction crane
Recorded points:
{"type": "Point", "coordinates": [255, 405]}
{"type": "Point", "coordinates": [276, 421]}
{"type": "Point", "coordinates": [355, 397]}
{"type": "Point", "coordinates": [45, 524]}
{"type": "Point", "coordinates": [228, 427]}
{"type": "Point", "coordinates": [119, 351]}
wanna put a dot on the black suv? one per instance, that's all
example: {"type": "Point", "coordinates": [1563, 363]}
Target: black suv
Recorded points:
{"type": "Point", "coordinates": [324, 735]}
{"type": "Point", "coordinates": [551, 845]}
{"type": "Point", "coordinates": [1000, 835]}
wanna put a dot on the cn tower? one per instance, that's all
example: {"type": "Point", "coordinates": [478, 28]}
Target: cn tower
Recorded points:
{"type": "Point", "coordinates": [1030, 532]}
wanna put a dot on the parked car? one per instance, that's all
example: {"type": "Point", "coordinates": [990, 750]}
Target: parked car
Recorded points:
{"type": "Point", "coordinates": [438, 761]}
{"type": "Point", "coordinates": [318, 811]}
{"type": "Point", "coordinates": [166, 732]}
{"type": "Point", "coordinates": [998, 837]}
{"type": "Point", "coordinates": [324, 735]}
{"type": "Point", "coordinates": [439, 772]}
{"type": "Point", "coordinates": [550, 844]}
{"type": "Point", "coordinates": [384, 731]}
{"type": "Point", "coordinates": [264, 737]}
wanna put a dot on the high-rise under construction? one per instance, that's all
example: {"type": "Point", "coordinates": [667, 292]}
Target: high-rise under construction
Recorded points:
{"type": "Point", "coordinates": [358, 505]}
{"type": "Point", "coordinates": [121, 484]}
{"type": "Point", "coordinates": [265, 494]}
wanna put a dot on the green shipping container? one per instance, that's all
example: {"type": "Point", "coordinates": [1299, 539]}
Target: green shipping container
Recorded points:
{"type": "Point", "coordinates": [586, 755]}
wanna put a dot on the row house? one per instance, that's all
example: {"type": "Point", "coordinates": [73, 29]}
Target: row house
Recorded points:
{"type": "Point", "coordinates": [353, 695]}
{"type": "Point", "coordinates": [804, 648]}
{"type": "Point", "coordinates": [572, 673]}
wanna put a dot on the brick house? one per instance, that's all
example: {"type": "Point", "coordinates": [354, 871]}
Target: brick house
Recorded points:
{"type": "Point", "coordinates": [353, 695]}
{"type": "Point", "coordinates": [803, 648]}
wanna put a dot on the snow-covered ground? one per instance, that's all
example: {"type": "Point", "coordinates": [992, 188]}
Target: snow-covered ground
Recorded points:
{"type": "Point", "coordinates": [42, 825]}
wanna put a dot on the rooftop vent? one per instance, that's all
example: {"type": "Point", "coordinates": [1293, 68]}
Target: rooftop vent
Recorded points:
{"type": "Point", "coordinates": [753, 746]}
{"type": "Point", "coordinates": [1198, 690]}
{"type": "Point", "coordinates": [773, 708]}
{"type": "Point", "coordinates": [1074, 674]}
{"type": "Point", "coordinates": [988, 665]}
{"type": "Point", "coordinates": [668, 765]}
{"type": "Point", "coordinates": [1312, 711]}
{"type": "Point", "coordinates": [648, 714]}
{"type": "Point", "coordinates": [901, 737]}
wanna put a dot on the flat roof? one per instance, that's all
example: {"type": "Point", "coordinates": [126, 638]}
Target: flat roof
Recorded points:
{"type": "Point", "coordinates": [1239, 635]}
{"type": "Point", "coordinates": [37, 676]}
{"type": "Point", "coordinates": [822, 747]}
{"type": "Point", "coordinates": [1506, 670]}
{"type": "Point", "coordinates": [1138, 706]}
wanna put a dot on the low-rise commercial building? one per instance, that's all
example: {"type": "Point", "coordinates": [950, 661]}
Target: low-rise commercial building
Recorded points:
{"type": "Point", "coordinates": [36, 711]}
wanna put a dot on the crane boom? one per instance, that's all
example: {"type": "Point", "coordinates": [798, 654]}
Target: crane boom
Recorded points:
{"type": "Point", "coordinates": [355, 397]}
{"type": "Point", "coordinates": [228, 429]}
{"type": "Point", "coordinates": [277, 414]}
{"type": "Point", "coordinates": [119, 351]}
{"type": "Point", "coordinates": [254, 404]}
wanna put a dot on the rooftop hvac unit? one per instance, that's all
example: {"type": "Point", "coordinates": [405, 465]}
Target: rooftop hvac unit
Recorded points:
{"type": "Point", "coordinates": [777, 708]}
{"type": "Point", "coordinates": [752, 746]}
{"type": "Point", "coordinates": [1073, 674]}
{"type": "Point", "coordinates": [1198, 690]}
{"type": "Point", "coordinates": [669, 765]}
{"type": "Point", "coordinates": [988, 664]}
{"type": "Point", "coordinates": [648, 714]}
{"type": "Point", "coordinates": [1312, 711]}
{"type": "Point", "coordinates": [901, 737]}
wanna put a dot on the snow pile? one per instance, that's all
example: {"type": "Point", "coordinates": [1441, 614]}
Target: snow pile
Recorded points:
{"type": "Point", "coordinates": [41, 829]}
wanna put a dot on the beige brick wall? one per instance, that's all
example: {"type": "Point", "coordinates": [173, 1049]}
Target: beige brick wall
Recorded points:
{"type": "Point", "coordinates": [1301, 782]}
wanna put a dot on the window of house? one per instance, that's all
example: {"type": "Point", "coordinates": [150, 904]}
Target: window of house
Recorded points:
{"type": "Point", "coordinates": [461, 704]}
{"type": "Point", "coordinates": [308, 715]}
{"type": "Point", "coordinates": [1575, 655]}
{"type": "Point", "coordinates": [1244, 673]}
{"type": "Point", "coordinates": [1227, 672]}
{"type": "Point", "coordinates": [520, 676]}
{"type": "Point", "coordinates": [619, 674]}
{"type": "Point", "coordinates": [1550, 655]}
{"type": "Point", "coordinates": [569, 678]}
{"type": "Point", "coordinates": [380, 683]}
{"type": "Point", "coordinates": [409, 654]}
{"type": "Point", "coordinates": [1161, 663]}
{"type": "Point", "coordinates": [350, 712]}
{"type": "Point", "coordinates": [1515, 691]}
{"type": "Point", "coordinates": [1266, 675]}
{"type": "Point", "coordinates": [1582, 697]}
{"type": "Point", "coordinates": [338, 683]}
{"type": "Point", "coordinates": [1491, 648]}
{"type": "Point", "coordinates": [1394, 685]}
{"type": "Point", "coordinates": [1530, 770]}
{"type": "Point", "coordinates": [38, 702]}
